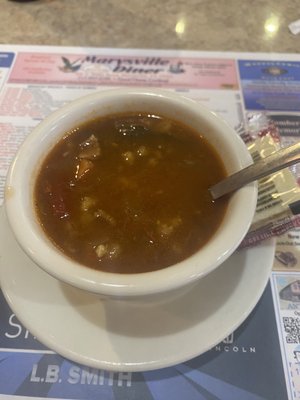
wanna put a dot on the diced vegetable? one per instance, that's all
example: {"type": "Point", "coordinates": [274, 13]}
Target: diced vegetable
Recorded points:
{"type": "Point", "coordinates": [83, 167]}
{"type": "Point", "coordinates": [105, 216]}
{"type": "Point", "coordinates": [89, 149]}
{"type": "Point", "coordinates": [167, 228]}
{"type": "Point", "coordinates": [107, 250]}
{"type": "Point", "coordinates": [101, 250]}
{"type": "Point", "coordinates": [129, 157]}
{"type": "Point", "coordinates": [87, 203]}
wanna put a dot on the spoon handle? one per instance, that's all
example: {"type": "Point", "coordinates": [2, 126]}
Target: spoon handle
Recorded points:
{"type": "Point", "coordinates": [265, 166]}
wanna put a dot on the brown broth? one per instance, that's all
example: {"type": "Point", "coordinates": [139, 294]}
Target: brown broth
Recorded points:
{"type": "Point", "coordinates": [129, 193]}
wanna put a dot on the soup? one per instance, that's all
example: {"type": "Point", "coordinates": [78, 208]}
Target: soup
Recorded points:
{"type": "Point", "coordinates": [128, 193]}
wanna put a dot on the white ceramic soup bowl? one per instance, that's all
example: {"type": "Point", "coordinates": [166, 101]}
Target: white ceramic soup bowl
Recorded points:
{"type": "Point", "coordinates": [30, 235]}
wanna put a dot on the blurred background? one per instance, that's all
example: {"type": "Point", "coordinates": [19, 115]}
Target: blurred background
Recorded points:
{"type": "Point", "coordinates": [224, 25]}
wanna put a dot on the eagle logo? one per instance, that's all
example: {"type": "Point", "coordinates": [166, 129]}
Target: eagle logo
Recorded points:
{"type": "Point", "coordinates": [70, 66]}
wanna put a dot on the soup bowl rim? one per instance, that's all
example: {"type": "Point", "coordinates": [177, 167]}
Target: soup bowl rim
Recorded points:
{"type": "Point", "coordinates": [21, 215]}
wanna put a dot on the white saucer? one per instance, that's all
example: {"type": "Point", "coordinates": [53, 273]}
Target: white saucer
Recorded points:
{"type": "Point", "coordinates": [123, 336]}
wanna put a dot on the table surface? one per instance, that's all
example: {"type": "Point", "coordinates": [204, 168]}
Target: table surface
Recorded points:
{"type": "Point", "coordinates": [213, 25]}
{"type": "Point", "coordinates": [201, 25]}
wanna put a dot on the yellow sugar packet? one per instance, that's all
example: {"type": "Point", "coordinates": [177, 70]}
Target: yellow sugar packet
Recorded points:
{"type": "Point", "coordinates": [279, 193]}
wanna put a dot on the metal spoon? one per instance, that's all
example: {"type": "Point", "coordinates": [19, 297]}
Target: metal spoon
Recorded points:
{"type": "Point", "coordinates": [266, 166]}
